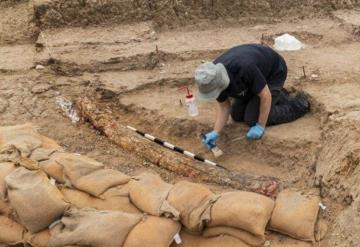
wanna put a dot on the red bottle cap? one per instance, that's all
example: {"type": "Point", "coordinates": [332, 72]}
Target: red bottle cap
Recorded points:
{"type": "Point", "coordinates": [189, 94]}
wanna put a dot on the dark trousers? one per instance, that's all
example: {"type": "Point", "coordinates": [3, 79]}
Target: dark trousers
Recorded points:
{"type": "Point", "coordinates": [248, 110]}
{"type": "Point", "coordinates": [284, 109]}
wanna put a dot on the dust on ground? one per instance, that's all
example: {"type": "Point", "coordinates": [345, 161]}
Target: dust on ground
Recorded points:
{"type": "Point", "coordinates": [137, 66]}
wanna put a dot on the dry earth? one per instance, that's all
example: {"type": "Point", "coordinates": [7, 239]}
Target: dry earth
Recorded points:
{"type": "Point", "coordinates": [134, 59]}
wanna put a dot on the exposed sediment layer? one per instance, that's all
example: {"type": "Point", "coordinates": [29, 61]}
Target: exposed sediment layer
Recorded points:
{"type": "Point", "coordinates": [56, 13]}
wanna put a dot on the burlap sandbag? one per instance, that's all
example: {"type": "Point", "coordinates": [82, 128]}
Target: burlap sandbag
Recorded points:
{"type": "Point", "coordinates": [11, 233]}
{"type": "Point", "coordinates": [5, 169]}
{"type": "Point", "coordinates": [76, 166]}
{"type": "Point", "coordinates": [101, 180]}
{"type": "Point", "coordinates": [40, 239]}
{"type": "Point", "coordinates": [321, 230]}
{"type": "Point", "coordinates": [25, 138]}
{"type": "Point", "coordinates": [153, 231]}
{"type": "Point", "coordinates": [36, 202]}
{"type": "Point", "coordinates": [5, 208]}
{"type": "Point", "coordinates": [28, 163]}
{"type": "Point", "coordinates": [53, 169]}
{"type": "Point", "coordinates": [113, 199]}
{"type": "Point", "coordinates": [9, 153]}
{"type": "Point", "coordinates": [244, 236]}
{"type": "Point", "coordinates": [296, 213]}
{"type": "Point", "coordinates": [193, 202]}
{"type": "Point", "coordinates": [243, 210]}
{"type": "Point", "coordinates": [189, 240]}
{"type": "Point", "coordinates": [42, 154]}
{"type": "Point", "coordinates": [68, 167]}
{"type": "Point", "coordinates": [94, 228]}
{"type": "Point", "coordinates": [149, 192]}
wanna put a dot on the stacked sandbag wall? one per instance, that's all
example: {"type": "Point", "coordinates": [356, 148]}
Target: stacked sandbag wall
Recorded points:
{"type": "Point", "coordinates": [52, 198]}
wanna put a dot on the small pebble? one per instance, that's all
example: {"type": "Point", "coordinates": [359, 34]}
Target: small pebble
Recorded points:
{"type": "Point", "coordinates": [39, 67]}
{"type": "Point", "coordinates": [314, 76]}
{"type": "Point", "coordinates": [40, 88]}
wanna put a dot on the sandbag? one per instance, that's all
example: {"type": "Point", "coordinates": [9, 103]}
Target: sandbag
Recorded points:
{"type": "Point", "coordinates": [153, 231]}
{"type": "Point", "coordinates": [321, 230]}
{"type": "Point", "coordinates": [149, 192]}
{"type": "Point", "coordinates": [5, 208]}
{"type": "Point", "coordinates": [5, 169]}
{"type": "Point", "coordinates": [36, 202]}
{"type": "Point", "coordinates": [48, 143]}
{"type": "Point", "coordinates": [11, 233]}
{"type": "Point", "coordinates": [193, 202]}
{"type": "Point", "coordinates": [75, 166]}
{"type": "Point", "coordinates": [25, 138]}
{"type": "Point", "coordinates": [94, 228]}
{"type": "Point", "coordinates": [189, 240]}
{"type": "Point", "coordinates": [243, 210]}
{"type": "Point", "coordinates": [42, 154]}
{"type": "Point", "coordinates": [244, 236]}
{"type": "Point", "coordinates": [40, 239]}
{"type": "Point", "coordinates": [99, 181]}
{"type": "Point", "coordinates": [113, 199]}
{"type": "Point", "coordinates": [28, 163]}
{"type": "Point", "coordinates": [53, 169]}
{"type": "Point", "coordinates": [295, 214]}
{"type": "Point", "coordinates": [9, 153]}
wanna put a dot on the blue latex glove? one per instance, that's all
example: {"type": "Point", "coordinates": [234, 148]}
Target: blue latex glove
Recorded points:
{"type": "Point", "coordinates": [255, 132]}
{"type": "Point", "coordinates": [210, 139]}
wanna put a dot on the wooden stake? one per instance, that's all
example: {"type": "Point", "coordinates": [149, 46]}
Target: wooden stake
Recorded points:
{"type": "Point", "coordinates": [303, 67]}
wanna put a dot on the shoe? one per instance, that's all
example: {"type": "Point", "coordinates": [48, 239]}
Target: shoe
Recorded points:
{"type": "Point", "coordinates": [300, 103]}
{"type": "Point", "coordinates": [295, 107]}
{"type": "Point", "coordinates": [284, 97]}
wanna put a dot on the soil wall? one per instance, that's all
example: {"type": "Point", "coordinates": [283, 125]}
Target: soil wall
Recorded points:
{"type": "Point", "coordinates": [56, 13]}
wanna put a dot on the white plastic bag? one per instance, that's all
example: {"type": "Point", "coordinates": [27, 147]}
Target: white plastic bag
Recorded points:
{"type": "Point", "coordinates": [287, 42]}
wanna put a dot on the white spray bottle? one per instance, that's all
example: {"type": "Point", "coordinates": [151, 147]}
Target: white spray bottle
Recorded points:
{"type": "Point", "coordinates": [190, 103]}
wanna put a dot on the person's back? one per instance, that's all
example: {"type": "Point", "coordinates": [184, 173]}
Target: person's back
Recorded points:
{"type": "Point", "coordinates": [236, 60]}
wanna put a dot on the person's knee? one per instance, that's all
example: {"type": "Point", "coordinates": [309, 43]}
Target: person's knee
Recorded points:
{"type": "Point", "coordinates": [237, 111]}
{"type": "Point", "coordinates": [237, 116]}
{"type": "Point", "coordinates": [252, 111]}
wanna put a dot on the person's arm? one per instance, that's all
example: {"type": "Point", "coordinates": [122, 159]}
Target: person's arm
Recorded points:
{"type": "Point", "coordinates": [265, 105]}
{"type": "Point", "coordinates": [222, 115]}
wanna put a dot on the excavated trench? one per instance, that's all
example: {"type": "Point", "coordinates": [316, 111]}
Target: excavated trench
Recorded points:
{"type": "Point", "coordinates": [131, 74]}
{"type": "Point", "coordinates": [157, 108]}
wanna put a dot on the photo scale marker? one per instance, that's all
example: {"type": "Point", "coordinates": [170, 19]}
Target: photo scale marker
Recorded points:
{"type": "Point", "coordinates": [174, 148]}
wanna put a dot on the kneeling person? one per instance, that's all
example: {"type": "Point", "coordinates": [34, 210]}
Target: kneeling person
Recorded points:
{"type": "Point", "coordinates": [253, 76]}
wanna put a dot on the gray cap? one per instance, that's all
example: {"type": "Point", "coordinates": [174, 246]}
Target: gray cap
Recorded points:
{"type": "Point", "coordinates": [211, 79]}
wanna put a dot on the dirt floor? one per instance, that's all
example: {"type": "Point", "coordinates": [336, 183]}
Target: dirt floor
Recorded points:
{"type": "Point", "coordinates": [137, 68]}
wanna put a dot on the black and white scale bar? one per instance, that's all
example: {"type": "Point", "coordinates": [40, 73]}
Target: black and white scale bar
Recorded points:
{"type": "Point", "coordinates": [173, 147]}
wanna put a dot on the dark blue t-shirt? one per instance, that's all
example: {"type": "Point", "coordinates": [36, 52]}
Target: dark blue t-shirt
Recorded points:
{"type": "Point", "coordinates": [250, 68]}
